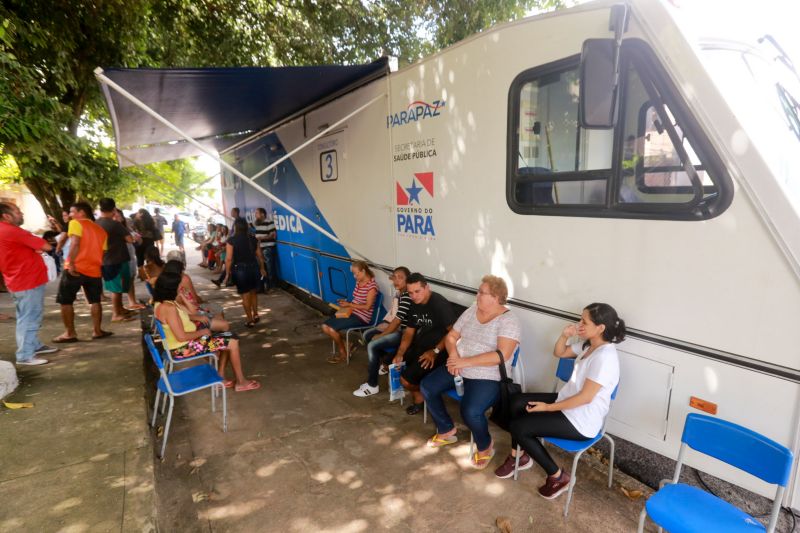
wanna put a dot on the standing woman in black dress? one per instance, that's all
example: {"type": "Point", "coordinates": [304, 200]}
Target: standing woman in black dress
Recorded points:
{"type": "Point", "coordinates": [244, 261]}
{"type": "Point", "coordinates": [145, 226]}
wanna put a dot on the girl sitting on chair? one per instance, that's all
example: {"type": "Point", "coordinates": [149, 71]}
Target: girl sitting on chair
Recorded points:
{"type": "Point", "coordinates": [186, 338]}
{"type": "Point", "coordinates": [578, 411]}
{"type": "Point", "coordinates": [354, 314]}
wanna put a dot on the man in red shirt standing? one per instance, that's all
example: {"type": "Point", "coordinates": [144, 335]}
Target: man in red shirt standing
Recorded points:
{"type": "Point", "coordinates": [25, 275]}
{"type": "Point", "coordinates": [82, 269]}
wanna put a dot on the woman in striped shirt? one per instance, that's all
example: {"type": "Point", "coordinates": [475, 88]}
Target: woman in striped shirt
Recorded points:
{"type": "Point", "coordinates": [358, 311]}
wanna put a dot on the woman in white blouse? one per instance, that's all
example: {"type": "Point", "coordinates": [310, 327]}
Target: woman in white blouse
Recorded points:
{"type": "Point", "coordinates": [579, 409]}
{"type": "Point", "coordinates": [472, 345]}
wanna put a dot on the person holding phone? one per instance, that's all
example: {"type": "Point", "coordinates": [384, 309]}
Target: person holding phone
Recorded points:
{"type": "Point", "coordinates": [579, 409]}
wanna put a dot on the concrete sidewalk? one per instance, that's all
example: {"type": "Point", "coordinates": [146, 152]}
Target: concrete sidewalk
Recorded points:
{"type": "Point", "coordinates": [303, 454]}
{"type": "Point", "coordinates": [80, 459]}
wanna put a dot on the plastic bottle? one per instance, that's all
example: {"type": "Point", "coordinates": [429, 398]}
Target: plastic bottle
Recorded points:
{"type": "Point", "coordinates": [459, 382]}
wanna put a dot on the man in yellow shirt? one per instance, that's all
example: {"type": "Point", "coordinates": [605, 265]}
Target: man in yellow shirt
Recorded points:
{"type": "Point", "coordinates": [88, 241]}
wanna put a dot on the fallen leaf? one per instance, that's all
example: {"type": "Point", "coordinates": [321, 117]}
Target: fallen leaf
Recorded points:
{"type": "Point", "coordinates": [503, 524]}
{"type": "Point", "coordinates": [23, 405]}
{"type": "Point", "coordinates": [198, 497]}
{"type": "Point", "coordinates": [631, 494]}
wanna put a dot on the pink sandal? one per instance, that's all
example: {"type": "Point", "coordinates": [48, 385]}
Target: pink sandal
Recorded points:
{"type": "Point", "coordinates": [250, 385]}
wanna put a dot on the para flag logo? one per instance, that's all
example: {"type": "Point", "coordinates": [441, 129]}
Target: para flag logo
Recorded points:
{"type": "Point", "coordinates": [414, 220]}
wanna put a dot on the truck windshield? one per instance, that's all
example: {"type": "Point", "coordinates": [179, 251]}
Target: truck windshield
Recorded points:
{"type": "Point", "coordinates": [763, 91]}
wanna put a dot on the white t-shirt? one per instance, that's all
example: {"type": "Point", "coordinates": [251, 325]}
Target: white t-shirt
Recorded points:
{"type": "Point", "coordinates": [477, 338]}
{"type": "Point", "coordinates": [602, 367]}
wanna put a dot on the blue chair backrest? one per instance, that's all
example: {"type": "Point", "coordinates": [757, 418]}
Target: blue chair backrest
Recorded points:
{"type": "Point", "coordinates": [565, 368]}
{"type": "Point", "coordinates": [160, 331]}
{"type": "Point", "coordinates": [377, 309]}
{"type": "Point", "coordinates": [153, 351]}
{"type": "Point", "coordinates": [149, 288]}
{"type": "Point", "coordinates": [738, 446]}
{"type": "Point", "coordinates": [515, 357]}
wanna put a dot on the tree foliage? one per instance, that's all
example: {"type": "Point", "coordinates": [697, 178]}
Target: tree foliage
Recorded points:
{"type": "Point", "coordinates": [49, 98]}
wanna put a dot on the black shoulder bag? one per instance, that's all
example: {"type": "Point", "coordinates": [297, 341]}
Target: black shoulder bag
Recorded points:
{"type": "Point", "coordinates": [501, 414]}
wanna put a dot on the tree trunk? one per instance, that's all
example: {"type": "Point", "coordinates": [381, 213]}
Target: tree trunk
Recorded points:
{"type": "Point", "coordinates": [48, 196]}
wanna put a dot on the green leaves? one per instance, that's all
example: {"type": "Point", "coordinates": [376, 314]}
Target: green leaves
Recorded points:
{"type": "Point", "coordinates": [53, 121]}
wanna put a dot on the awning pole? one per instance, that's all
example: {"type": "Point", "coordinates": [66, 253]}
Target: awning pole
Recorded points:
{"type": "Point", "coordinates": [166, 182]}
{"type": "Point", "coordinates": [98, 72]}
{"type": "Point", "coordinates": [317, 136]}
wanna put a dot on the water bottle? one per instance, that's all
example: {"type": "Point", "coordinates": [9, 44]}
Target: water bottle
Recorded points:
{"type": "Point", "coordinates": [459, 381]}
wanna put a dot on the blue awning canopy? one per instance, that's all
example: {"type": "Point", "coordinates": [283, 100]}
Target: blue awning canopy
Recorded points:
{"type": "Point", "coordinates": [218, 106]}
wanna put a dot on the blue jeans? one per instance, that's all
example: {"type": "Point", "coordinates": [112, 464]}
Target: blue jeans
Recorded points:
{"type": "Point", "coordinates": [479, 395]}
{"type": "Point", "coordinates": [271, 265]}
{"type": "Point", "coordinates": [375, 351]}
{"type": "Point", "coordinates": [29, 307]}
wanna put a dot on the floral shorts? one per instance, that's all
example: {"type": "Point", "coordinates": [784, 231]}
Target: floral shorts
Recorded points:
{"type": "Point", "coordinates": [213, 343]}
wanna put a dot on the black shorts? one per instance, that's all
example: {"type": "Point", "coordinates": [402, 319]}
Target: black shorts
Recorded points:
{"type": "Point", "coordinates": [247, 277]}
{"type": "Point", "coordinates": [413, 372]}
{"type": "Point", "coordinates": [69, 286]}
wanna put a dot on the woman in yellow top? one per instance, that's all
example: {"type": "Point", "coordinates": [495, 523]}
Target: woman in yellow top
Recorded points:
{"type": "Point", "coordinates": [186, 339]}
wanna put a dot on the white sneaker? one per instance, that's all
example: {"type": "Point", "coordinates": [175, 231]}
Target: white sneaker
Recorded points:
{"type": "Point", "coordinates": [382, 371]}
{"type": "Point", "coordinates": [365, 390]}
{"type": "Point", "coordinates": [45, 349]}
{"type": "Point", "coordinates": [33, 361]}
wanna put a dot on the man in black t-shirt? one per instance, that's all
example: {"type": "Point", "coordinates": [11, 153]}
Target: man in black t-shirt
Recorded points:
{"type": "Point", "coordinates": [429, 319]}
{"type": "Point", "coordinates": [116, 259]}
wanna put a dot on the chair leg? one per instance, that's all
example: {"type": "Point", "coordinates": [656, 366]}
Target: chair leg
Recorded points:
{"type": "Point", "coordinates": [471, 444]}
{"type": "Point", "coordinates": [224, 412]}
{"type": "Point", "coordinates": [610, 461]}
{"type": "Point", "coordinates": [424, 412]}
{"type": "Point", "coordinates": [642, 518]}
{"type": "Point", "coordinates": [213, 403]}
{"type": "Point", "coordinates": [571, 482]}
{"type": "Point", "coordinates": [516, 462]}
{"type": "Point", "coordinates": [347, 345]}
{"type": "Point", "coordinates": [164, 404]}
{"type": "Point", "coordinates": [155, 407]}
{"type": "Point", "coordinates": [166, 426]}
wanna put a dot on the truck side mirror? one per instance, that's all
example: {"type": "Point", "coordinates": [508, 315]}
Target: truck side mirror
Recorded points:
{"type": "Point", "coordinates": [598, 84]}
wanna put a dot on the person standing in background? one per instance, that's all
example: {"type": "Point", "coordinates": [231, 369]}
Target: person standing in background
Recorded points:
{"type": "Point", "coordinates": [82, 269]}
{"type": "Point", "coordinates": [145, 226]}
{"type": "Point", "coordinates": [116, 260]}
{"type": "Point", "coordinates": [160, 223]}
{"type": "Point", "coordinates": [25, 276]}
{"type": "Point", "coordinates": [178, 231]}
{"type": "Point", "coordinates": [266, 235]}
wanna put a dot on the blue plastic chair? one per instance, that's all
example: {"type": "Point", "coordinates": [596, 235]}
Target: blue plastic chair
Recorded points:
{"type": "Point", "coordinates": [577, 447]}
{"type": "Point", "coordinates": [454, 395]}
{"type": "Point", "coordinates": [183, 382]}
{"type": "Point", "coordinates": [683, 508]}
{"type": "Point", "coordinates": [159, 328]}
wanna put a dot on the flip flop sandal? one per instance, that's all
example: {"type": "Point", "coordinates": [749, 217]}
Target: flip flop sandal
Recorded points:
{"type": "Point", "coordinates": [124, 319]}
{"type": "Point", "coordinates": [250, 324]}
{"type": "Point", "coordinates": [103, 335]}
{"type": "Point", "coordinates": [250, 385]}
{"type": "Point", "coordinates": [437, 441]}
{"type": "Point", "coordinates": [229, 383]}
{"type": "Point", "coordinates": [414, 408]}
{"type": "Point", "coordinates": [64, 340]}
{"type": "Point", "coordinates": [335, 360]}
{"type": "Point", "coordinates": [257, 319]}
{"type": "Point", "coordinates": [481, 460]}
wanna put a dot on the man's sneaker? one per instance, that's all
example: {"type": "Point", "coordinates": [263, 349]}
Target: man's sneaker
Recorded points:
{"type": "Point", "coordinates": [506, 470]}
{"type": "Point", "coordinates": [365, 390]}
{"type": "Point", "coordinates": [45, 349]}
{"type": "Point", "coordinates": [33, 361]}
{"type": "Point", "coordinates": [383, 370]}
{"type": "Point", "coordinates": [554, 486]}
